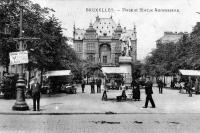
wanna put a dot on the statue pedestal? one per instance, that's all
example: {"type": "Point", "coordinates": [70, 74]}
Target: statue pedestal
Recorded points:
{"type": "Point", "coordinates": [125, 65]}
{"type": "Point", "coordinates": [125, 59]}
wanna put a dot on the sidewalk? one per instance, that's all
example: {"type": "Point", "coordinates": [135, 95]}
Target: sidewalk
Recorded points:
{"type": "Point", "coordinates": [85, 103]}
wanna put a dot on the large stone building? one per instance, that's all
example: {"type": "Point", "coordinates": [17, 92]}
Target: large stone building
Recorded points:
{"type": "Point", "coordinates": [109, 44]}
{"type": "Point", "coordinates": [170, 37]}
{"type": "Point", "coordinates": [102, 41]}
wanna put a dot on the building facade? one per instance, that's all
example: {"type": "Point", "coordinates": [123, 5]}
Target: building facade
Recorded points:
{"type": "Point", "coordinates": [102, 42]}
{"type": "Point", "coordinates": [170, 37]}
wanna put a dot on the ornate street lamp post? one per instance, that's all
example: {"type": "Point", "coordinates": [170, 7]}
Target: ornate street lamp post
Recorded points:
{"type": "Point", "coordinates": [20, 103]}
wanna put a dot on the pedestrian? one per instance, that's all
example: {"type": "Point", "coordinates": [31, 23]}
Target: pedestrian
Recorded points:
{"type": "Point", "coordinates": [35, 87]}
{"type": "Point", "coordinates": [172, 84]}
{"type": "Point", "coordinates": [136, 90]}
{"type": "Point", "coordinates": [92, 83]}
{"type": "Point", "coordinates": [160, 85]}
{"type": "Point", "coordinates": [98, 82]}
{"type": "Point", "coordinates": [196, 85]}
{"type": "Point", "coordinates": [189, 87]}
{"type": "Point", "coordinates": [104, 96]}
{"type": "Point", "coordinates": [83, 85]}
{"type": "Point", "coordinates": [149, 92]}
{"type": "Point", "coordinates": [123, 94]}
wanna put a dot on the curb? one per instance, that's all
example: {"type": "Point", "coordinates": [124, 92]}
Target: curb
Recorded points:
{"type": "Point", "coordinates": [94, 113]}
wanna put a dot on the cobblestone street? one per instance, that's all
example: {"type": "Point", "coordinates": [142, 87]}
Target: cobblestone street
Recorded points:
{"type": "Point", "coordinates": [85, 113]}
{"type": "Point", "coordinates": [171, 101]}
{"type": "Point", "coordinates": [124, 123]}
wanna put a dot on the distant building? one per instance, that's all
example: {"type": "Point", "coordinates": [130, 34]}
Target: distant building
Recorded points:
{"type": "Point", "coordinates": [101, 42]}
{"type": "Point", "coordinates": [169, 37]}
{"type": "Point", "coordinates": [70, 41]}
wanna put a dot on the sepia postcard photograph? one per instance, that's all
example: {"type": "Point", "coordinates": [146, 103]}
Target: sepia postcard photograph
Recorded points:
{"type": "Point", "coordinates": [99, 66]}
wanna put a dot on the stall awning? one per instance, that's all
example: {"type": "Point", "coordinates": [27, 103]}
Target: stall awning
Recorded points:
{"type": "Point", "coordinates": [58, 73]}
{"type": "Point", "coordinates": [114, 70]}
{"type": "Point", "coordinates": [190, 72]}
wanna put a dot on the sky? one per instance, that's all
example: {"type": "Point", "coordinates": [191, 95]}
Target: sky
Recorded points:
{"type": "Point", "coordinates": [150, 25]}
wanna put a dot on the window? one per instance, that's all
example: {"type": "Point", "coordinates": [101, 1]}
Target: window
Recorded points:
{"type": "Point", "coordinates": [79, 47]}
{"type": "Point", "coordinates": [116, 59]}
{"type": "Point", "coordinates": [90, 46]}
{"type": "Point", "coordinates": [104, 59]}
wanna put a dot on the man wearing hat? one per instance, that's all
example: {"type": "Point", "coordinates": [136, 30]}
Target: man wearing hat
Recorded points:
{"type": "Point", "coordinates": [149, 92]}
{"type": "Point", "coordinates": [35, 87]}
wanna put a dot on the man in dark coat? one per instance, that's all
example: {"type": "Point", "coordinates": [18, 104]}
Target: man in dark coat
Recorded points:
{"type": "Point", "coordinates": [98, 82]}
{"type": "Point", "coordinates": [189, 86]}
{"type": "Point", "coordinates": [83, 85]}
{"type": "Point", "coordinates": [160, 85]}
{"type": "Point", "coordinates": [149, 92]}
{"type": "Point", "coordinates": [92, 86]}
{"type": "Point", "coordinates": [35, 87]}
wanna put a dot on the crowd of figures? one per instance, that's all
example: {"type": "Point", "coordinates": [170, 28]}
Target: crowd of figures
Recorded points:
{"type": "Point", "coordinates": [189, 85]}
{"type": "Point", "coordinates": [98, 83]}
{"type": "Point", "coordinates": [136, 86]}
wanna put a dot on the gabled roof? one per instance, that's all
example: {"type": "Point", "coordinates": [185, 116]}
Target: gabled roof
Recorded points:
{"type": "Point", "coordinates": [105, 26]}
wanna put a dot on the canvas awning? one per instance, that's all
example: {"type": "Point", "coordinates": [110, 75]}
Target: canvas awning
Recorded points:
{"type": "Point", "coordinates": [114, 70]}
{"type": "Point", "coordinates": [58, 73]}
{"type": "Point", "coordinates": [190, 72]}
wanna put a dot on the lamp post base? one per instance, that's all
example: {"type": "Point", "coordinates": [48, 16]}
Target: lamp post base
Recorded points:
{"type": "Point", "coordinates": [20, 103]}
{"type": "Point", "coordinates": [20, 106]}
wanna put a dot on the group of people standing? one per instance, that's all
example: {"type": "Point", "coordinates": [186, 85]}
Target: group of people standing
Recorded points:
{"type": "Point", "coordinates": [98, 83]}
{"type": "Point", "coordinates": [189, 85]}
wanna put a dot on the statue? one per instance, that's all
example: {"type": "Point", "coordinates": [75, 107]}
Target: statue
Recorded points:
{"type": "Point", "coordinates": [125, 45]}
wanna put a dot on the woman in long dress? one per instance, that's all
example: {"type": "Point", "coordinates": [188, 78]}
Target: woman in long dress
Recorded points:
{"type": "Point", "coordinates": [136, 90]}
